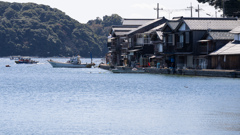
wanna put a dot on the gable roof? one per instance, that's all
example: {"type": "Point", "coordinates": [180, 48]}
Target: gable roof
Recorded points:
{"type": "Point", "coordinates": [235, 30]}
{"type": "Point", "coordinates": [120, 30]}
{"type": "Point", "coordinates": [128, 25]}
{"type": "Point", "coordinates": [148, 26]}
{"type": "Point", "coordinates": [129, 21]}
{"type": "Point", "coordinates": [211, 23]}
{"type": "Point", "coordinates": [156, 28]}
{"type": "Point", "coordinates": [172, 24]}
{"type": "Point", "coordinates": [232, 48]}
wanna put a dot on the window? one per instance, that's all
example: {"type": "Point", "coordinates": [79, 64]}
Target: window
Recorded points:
{"type": "Point", "coordinates": [130, 42]}
{"type": "Point", "coordinates": [187, 37]}
{"type": "Point", "coordinates": [170, 38]}
{"type": "Point", "coordinates": [160, 48]}
{"type": "Point", "coordinates": [181, 41]}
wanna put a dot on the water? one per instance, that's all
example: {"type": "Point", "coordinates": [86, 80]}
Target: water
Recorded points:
{"type": "Point", "coordinates": [38, 99]}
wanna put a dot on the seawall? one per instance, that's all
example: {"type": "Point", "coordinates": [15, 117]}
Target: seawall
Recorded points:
{"type": "Point", "coordinates": [190, 72]}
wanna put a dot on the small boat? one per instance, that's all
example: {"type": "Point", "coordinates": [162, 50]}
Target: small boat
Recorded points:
{"type": "Point", "coordinates": [26, 60]}
{"type": "Point", "coordinates": [74, 62]}
{"type": "Point", "coordinates": [128, 70]}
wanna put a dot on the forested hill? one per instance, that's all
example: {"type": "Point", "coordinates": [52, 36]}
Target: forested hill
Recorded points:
{"type": "Point", "coordinates": [39, 30]}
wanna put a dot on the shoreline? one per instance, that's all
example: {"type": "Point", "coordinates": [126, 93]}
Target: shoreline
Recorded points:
{"type": "Point", "coordinates": [190, 72]}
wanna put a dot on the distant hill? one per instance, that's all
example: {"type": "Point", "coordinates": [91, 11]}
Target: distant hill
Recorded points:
{"type": "Point", "coordinates": [39, 30]}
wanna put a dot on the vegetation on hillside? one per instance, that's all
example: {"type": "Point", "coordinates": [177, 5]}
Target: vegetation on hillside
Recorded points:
{"type": "Point", "coordinates": [39, 30]}
{"type": "Point", "coordinates": [231, 7]}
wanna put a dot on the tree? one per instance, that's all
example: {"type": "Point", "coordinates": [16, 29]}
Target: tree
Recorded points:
{"type": "Point", "coordinates": [231, 8]}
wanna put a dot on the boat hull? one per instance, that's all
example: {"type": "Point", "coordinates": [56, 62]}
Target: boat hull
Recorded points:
{"type": "Point", "coordinates": [57, 64]}
{"type": "Point", "coordinates": [24, 62]}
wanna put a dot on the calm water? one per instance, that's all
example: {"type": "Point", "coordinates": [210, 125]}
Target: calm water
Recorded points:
{"type": "Point", "coordinates": [38, 99]}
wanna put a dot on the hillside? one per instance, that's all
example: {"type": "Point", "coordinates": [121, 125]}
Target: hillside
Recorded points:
{"type": "Point", "coordinates": [39, 30]}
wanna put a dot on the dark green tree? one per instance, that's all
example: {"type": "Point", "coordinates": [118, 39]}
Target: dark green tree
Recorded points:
{"type": "Point", "coordinates": [231, 8]}
{"type": "Point", "coordinates": [39, 30]}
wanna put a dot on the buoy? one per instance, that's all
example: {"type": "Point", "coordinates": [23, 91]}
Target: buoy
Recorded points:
{"type": "Point", "coordinates": [8, 66]}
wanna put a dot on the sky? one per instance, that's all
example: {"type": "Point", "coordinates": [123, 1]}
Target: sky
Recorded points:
{"type": "Point", "coordinates": [86, 10]}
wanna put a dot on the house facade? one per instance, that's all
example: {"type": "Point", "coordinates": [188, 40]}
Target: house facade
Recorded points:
{"type": "Point", "coordinates": [185, 46]}
{"type": "Point", "coordinates": [228, 56]}
{"type": "Point", "coordinates": [117, 41]}
{"type": "Point", "coordinates": [141, 46]}
{"type": "Point", "coordinates": [178, 43]}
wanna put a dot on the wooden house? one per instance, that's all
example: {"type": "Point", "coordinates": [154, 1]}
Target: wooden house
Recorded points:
{"type": "Point", "coordinates": [117, 42]}
{"type": "Point", "coordinates": [140, 45]}
{"type": "Point", "coordinates": [184, 37]}
{"type": "Point", "coordinates": [228, 57]}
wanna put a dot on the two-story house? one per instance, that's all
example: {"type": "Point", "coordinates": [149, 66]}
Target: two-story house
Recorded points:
{"type": "Point", "coordinates": [117, 42]}
{"type": "Point", "coordinates": [141, 47]}
{"type": "Point", "coordinates": [183, 43]}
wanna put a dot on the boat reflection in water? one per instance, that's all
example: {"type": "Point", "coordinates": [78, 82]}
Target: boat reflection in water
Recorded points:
{"type": "Point", "coordinates": [74, 62]}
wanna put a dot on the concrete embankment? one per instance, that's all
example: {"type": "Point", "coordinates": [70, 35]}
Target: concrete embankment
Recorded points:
{"type": "Point", "coordinates": [196, 72]}
{"type": "Point", "coordinates": [190, 72]}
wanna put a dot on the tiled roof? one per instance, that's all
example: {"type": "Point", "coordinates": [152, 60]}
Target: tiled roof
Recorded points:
{"type": "Point", "coordinates": [135, 21]}
{"type": "Point", "coordinates": [236, 30]}
{"type": "Point", "coordinates": [121, 30]}
{"type": "Point", "coordinates": [221, 35]}
{"type": "Point", "coordinates": [150, 25]}
{"type": "Point", "coordinates": [156, 28]}
{"type": "Point", "coordinates": [232, 48]}
{"type": "Point", "coordinates": [211, 23]}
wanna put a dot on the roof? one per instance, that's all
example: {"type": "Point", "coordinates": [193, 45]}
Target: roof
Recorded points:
{"type": "Point", "coordinates": [135, 21]}
{"type": "Point", "coordinates": [148, 26]}
{"type": "Point", "coordinates": [236, 30]}
{"type": "Point", "coordinates": [211, 23]}
{"type": "Point", "coordinates": [216, 35]}
{"type": "Point", "coordinates": [156, 28]}
{"type": "Point", "coordinates": [232, 48]}
{"type": "Point", "coordinates": [173, 24]}
{"type": "Point", "coordinates": [121, 30]}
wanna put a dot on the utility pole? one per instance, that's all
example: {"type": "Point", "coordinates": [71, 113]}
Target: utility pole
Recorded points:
{"type": "Point", "coordinates": [191, 7]}
{"type": "Point", "coordinates": [198, 10]}
{"type": "Point", "coordinates": [158, 10]}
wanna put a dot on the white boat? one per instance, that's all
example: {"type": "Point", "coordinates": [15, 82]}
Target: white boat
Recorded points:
{"type": "Point", "coordinates": [72, 63]}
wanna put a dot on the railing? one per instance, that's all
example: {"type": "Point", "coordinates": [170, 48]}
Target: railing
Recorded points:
{"type": "Point", "coordinates": [179, 45]}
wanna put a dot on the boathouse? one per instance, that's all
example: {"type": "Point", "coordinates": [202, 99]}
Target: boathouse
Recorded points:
{"type": "Point", "coordinates": [117, 41]}
{"type": "Point", "coordinates": [228, 57]}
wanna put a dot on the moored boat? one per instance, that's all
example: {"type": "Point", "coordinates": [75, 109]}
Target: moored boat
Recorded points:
{"type": "Point", "coordinates": [74, 62]}
{"type": "Point", "coordinates": [128, 70]}
{"type": "Point", "coordinates": [26, 60]}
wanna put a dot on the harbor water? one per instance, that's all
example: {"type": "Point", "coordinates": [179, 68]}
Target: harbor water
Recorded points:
{"type": "Point", "coordinates": [36, 99]}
